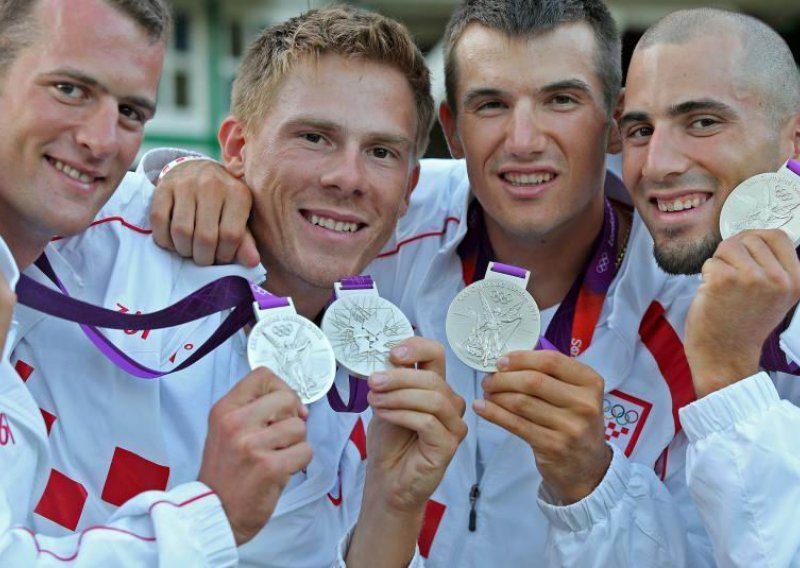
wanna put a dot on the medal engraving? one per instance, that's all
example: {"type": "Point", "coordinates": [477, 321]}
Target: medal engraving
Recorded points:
{"type": "Point", "coordinates": [296, 350]}
{"type": "Point", "coordinates": [765, 201]}
{"type": "Point", "coordinates": [362, 329]}
{"type": "Point", "coordinates": [491, 318]}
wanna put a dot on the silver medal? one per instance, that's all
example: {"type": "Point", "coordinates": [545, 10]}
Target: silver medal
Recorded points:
{"type": "Point", "coordinates": [490, 318]}
{"type": "Point", "coordinates": [362, 329]}
{"type": "Point", "coordinates": [296, 350]}
{"type": "Point", "coordinates": [765, 201]}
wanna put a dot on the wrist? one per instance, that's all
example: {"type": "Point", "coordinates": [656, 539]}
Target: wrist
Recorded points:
{"type": "Point", "coordinates": [575, 489]}
{"type": "Point", "coordinates": [178, 161]}
{"type": "Point", "coordinates": [714, 377]}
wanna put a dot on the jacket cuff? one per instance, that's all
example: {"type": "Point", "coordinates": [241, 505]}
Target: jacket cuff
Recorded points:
{"type": "Point", "coordinates": [723, 409]}
{"type": "Point", "coordinates": [596, 506]}
{"type": "Point", "coordinates": [210, 525]}
{"type": "Point", "coordinates": [154, 161]}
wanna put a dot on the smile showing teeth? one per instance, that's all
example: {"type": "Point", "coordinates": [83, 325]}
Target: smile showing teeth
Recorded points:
{"type": "Point", "coordinates": [680, 204]}
{"type": "Point", "coordinates": [336, 226]}
{"type": "Point", "coordinates": [70, 171]}
{"type": "Point", "coordinates": [528, 179]}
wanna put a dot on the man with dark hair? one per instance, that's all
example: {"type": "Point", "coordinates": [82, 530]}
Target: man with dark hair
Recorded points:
{"type": "Point", "coordinates": [334, 105]}
{"type": "Point", "coordinates": [561, 446]}
{"type": "Point", "coordinates": [713, 98]}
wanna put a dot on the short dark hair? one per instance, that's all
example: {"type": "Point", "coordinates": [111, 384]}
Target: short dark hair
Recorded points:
{"type": "Point", "coordinates": [527, 18]}
{"type": "Point", "coordinates": [766, 61]}
{"type": "Point", "coordinates": [153, 16]}
{"type": "Point", "coordinates": [339, 30]}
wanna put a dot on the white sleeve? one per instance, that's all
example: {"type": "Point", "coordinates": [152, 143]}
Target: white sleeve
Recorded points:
{"type": "Point", "coordinates": [154, 161]}
{"type": "Point", "coordinates": [630, 519]}
{"type": "Point", "coordinates": [183, 527]}
{"type": "Point", "coordinates": [743, 471]}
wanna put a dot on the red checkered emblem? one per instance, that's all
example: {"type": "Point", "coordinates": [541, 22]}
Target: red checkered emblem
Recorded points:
{"type": "Point", "coordinates": [625, 417]}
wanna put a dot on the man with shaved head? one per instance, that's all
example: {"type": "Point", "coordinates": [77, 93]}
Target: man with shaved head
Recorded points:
{"type": "Point", "coordinates": [713, 98]}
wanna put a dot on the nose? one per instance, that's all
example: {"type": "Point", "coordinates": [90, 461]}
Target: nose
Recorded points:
{"type": "Point", "coordinates": [524, 136]}
{"type": "Point", "coordinates": [664, 156]}
{"type": "Point", "coordinates": [99, 132]}
{"type": "Point", "coordinates": [345, 171]}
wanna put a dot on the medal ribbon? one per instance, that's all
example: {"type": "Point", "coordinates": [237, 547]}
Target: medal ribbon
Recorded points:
{"type": "Point", "coordinates": [228, 292]}
{"type": "Point", "coordinates": [772, 356]}
{"type": "Point", "coordinates": [359, 388]}
{"type": "Point", "coordinates": [572, 327]}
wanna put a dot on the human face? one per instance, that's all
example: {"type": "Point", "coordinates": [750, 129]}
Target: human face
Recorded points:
{"type": "Point", "coordinates": [533, 127]}
{"type": "Point", "coordinates": [693, 128]}
{"type": "Point", "coordinates": [331, 167]}
{"type": "Point", "coordinates": [74, 104]}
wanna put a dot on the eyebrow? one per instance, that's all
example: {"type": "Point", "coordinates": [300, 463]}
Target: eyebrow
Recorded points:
{"type": "Point", "coordinates": [330, 126]}
{"type": "Point", "coordinates": [565, 85]}
{"type": "Point", "coordinates": [687, 107]}
{"type": "Point", "coordinates": [144, 103]}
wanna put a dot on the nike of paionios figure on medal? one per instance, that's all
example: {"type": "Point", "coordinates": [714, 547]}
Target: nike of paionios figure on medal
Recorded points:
{"type": "Point", "coordinates": [765, 201]}
{"type": "Point", "coordinates": [292, 347]}
{"type": "Point", "coordinates": [363, 327]}
{"type": "Point", "coordinates": [492, 317]}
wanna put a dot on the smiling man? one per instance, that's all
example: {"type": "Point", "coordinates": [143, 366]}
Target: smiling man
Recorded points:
{"type": "Point", "coordinates": [310, 107]}
{"type": "Point", "coordinates": [713, 98]}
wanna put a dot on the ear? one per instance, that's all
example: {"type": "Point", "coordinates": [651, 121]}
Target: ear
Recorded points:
{"type": "Point", "coordinates": [413, 179]}
{"type": "Point", "coordinates": [447, 118]}
{"type": "Point", "coordinates": [614, 134]}
{"type": "Point", "coordinates": [795, 133]}
{"type": "Point", "coordinates": [232, 143]}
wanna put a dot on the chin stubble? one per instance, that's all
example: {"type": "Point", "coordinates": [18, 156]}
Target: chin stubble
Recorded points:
{"type": "Point", "coordinates": [685, 258]}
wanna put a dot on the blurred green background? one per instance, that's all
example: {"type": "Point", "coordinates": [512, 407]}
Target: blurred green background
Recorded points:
{"type": "Point", "coordinates": [210, 36]}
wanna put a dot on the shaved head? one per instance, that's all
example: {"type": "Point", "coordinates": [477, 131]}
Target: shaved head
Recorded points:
{"type": "Point", "coordinates": [766, 61]}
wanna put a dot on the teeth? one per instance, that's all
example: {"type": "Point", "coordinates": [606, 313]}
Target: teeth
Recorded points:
{"type": "Point", "coordinates": [72, 172]}
{"type": "Point", "coordinates": [336, 226]}
{"type": "Point", "coordinates": [680, 205]}
{"type": "Point", "coordinates": [529, 179]}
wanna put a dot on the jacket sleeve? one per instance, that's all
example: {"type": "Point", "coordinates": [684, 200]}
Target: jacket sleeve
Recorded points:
{"type": "Point", "coordinates": [743, 471]}
{"type": "Point", "coordinates": [631, 519]}
{"type": "Point", "coordinates": [183, 527]}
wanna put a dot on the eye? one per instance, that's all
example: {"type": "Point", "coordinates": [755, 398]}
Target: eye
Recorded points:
{"type": "Point", "coordinates": [564, 100]}
{"type": "Point", "coordinates": [640, 132]}
{"type": "Point", "coordinates": [132, 114]}
{"type": "Point", "coordinates": [313, 137]}
{"type": "Point", "coordinates": [703, 123]}
{"type": "Point", "coordinates": [382, 153]}
{"type": "Point", "coordinates": [70, 91]}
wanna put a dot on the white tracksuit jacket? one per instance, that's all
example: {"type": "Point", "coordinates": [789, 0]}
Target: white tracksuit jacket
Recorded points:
{"type": "Point", "coordinates": [632, 518]}
{"type": "Point", "coordinates": [113, 435]}
{"type": "Point", "coordinates": [185, 526]}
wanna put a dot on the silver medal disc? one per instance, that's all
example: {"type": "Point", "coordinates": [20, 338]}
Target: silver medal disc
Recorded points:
{"type": "Point", "coordinates": [765, 201]}
{"type": "Point", "coordinates": [362, 329]}
{"type": "Point", "coordinates": [296, 350]}
{"type": "Point", "coordinates": [490, 318]}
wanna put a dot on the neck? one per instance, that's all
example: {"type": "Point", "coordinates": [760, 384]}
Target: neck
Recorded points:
{"type": "Point", "coordinates": [309, 300]}
{"type": "Point", "coordinates": [554, 259]}
{"type": "Point", "coordinates": [24, 247]}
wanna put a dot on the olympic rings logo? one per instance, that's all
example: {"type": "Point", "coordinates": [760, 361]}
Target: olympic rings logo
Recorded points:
{"type": "Point", "coordinates": [618, 413]}
{"type": "Point", "coordinates": [604, 263]}
{"type": "Point", "coordinates": [283, 330]}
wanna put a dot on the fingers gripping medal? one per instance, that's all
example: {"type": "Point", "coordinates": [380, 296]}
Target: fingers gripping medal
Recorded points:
{"type": "Point", "coordinates": [492, 317]}
{"type": "Point", "coordinates": [765, 201]}
{"type": "Point", "coordinates": [290, 346]}
{"type": "Point", "coordinates": [363, 327]}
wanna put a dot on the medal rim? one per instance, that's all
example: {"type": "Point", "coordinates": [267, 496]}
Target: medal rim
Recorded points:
{"type": "Point", "coordinates": [477, 285]}
{"type": "Point", "coordinates": [352, 369]}
{"type": "Point", "coordinates": [758, 180]}
{"type": "Point", "coordinates": [269, 319]}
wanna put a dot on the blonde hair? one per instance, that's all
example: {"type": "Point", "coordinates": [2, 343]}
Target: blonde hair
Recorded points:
{"type": "Point", "coordinates": [344, 31]}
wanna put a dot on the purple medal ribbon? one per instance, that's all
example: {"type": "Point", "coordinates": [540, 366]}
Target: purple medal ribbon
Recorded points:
{"type": "Point", "coordinates": [228, 292]}
{"type": "Point", "coordinates": [359, 388]}
{"type": "Point", "coordinates": [772, 356]}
